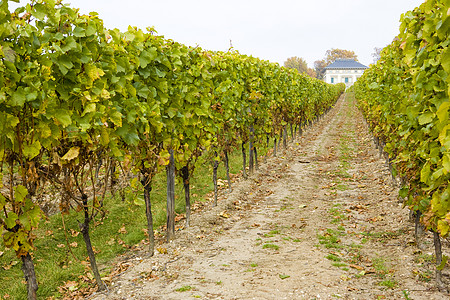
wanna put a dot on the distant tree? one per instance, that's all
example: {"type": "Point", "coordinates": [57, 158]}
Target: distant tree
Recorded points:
{"type": "Point", "coordinates": [296, 63]}
{"type": "Point", "coordinates": [319, 67]}
{"type": "Point", "coordinates": [376, 54]}
{"type": "Point", "coordinates": [299, 64]}
{"type": "Point", "coordinates": [311, 73]}
{"type": "Point", "coordinates": [330, 57]}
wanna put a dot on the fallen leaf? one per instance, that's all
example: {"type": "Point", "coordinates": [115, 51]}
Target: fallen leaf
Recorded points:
{"type": "Point", "coordinates": [122, 229]}
{"type": "Point", "coordinates": [48, 232]}
{"type": "Point", "coordinates": [345, 278]}
{"type": "Point", "coordinates": [162, 250]}
{"type": "Point", "coordinates": [283, 276]}
{"type": "Point", "coordinates": [74, 233]}
{"type": "Point", "coordinates": [356, 267]}
{"type": "Point", "coordinates": [74, 244]}
{"type": "Point", "coordinates": [11, 264]}
{"type": "Point", "coordinates": [61, 245]}
{"type": "Point", "coordinates": [179, 217]}
{"type": "Point", "coordinates": [224, 214]}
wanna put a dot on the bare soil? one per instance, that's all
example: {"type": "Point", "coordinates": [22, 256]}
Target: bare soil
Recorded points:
{"type": "Point", "coordinates": [322, 220]}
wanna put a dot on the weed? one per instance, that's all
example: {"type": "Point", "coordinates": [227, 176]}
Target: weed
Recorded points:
{"type": "Point", "coordinates": [184, 288]}
{"type": "Point", "coordinates": [390, 284]}
{"type": "Point", "coordinates": [271, 246]}
{"type": "Point", "coordinates": [339, 264]}
{"type": "Point", "coordinates": [272, 233]}
{"type": "Point", "coordinates": [424, 258]}
{"type": "Point", "coordinates": [329, 240]}
{"type": "Point", "coordinates": [406, 294]}
{"type": "Point", "coordinates": [253, 265]}
{"type": "Point", "coordinates": [426, 276]}
{"type": "Point", "coordinates": [355, 246]}
{"type": "Point", "coordinates": [333, 257]}
{"type": "Point", "coordinates": [283, 276]}
{"type": "Point", "coordinates": [379, 264]}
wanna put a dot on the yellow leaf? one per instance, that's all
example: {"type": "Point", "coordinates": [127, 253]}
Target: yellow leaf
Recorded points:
{"type": "Point", "coordinates": [71, 154]}
{"type": "Point", "coordinates": [162, 250]}
{"type": "Point", "coordinates": [443, 228]}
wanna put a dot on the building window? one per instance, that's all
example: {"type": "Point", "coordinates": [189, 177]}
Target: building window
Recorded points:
{"type": "Point", "coordinates": [332, 80]}
{"type": "Point", "coordinates": [346, 79]}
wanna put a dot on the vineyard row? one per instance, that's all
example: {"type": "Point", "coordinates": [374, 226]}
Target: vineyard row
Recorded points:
{"type": "Point", "coordinates": [76, 98]}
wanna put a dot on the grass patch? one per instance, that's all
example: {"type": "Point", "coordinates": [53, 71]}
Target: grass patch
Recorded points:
{"type": "Point", "coordinates": [272, 233]}
{"type": "Point", "coordinates": [185, 288]}
{"type": "Point", "coordinates": [425, 276]}
{"type": "Point", "coordinates": [271, 246]}
{"type": "Point", "coordinates": [55, 265]}
{"type": "Point", "coordinates": [390, 284]}
{"type": "Point", "coordinates": [339, 264]}
{"type": "Point", "coordinates": [333, 257]}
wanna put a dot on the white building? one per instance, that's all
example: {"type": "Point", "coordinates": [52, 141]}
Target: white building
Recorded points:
{"type": "Point", "coordinates": [344, 70]}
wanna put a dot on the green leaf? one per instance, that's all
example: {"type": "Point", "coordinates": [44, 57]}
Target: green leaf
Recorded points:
{"type": "Point", "coordinates": [20, 193]}
{"type": "Point", "coordinates": [70, 44]}
{"type": "Point", "coordinates": [63, 117]}
{"type": "Point", "coordinates": [2, 201]}
{"type": "Point", "coordinates": [403, 192]}
{"type": "Point", "coordinates": [39, 11]}
{"type": "Point", "coordinates": [10, 54]}
{"type": "Point", "coordinates": [116, 118]}
{"type": "Point", "coordinates": [79, 32]}
{"type": "Point", "coordinates": [10, 221]}
{"type": "Point", "coordinates": [373, 85]}
{"type": "Point", "coordinates": [19, 97]}
{"type": "Point", "coordinates": [32, 96]}
{"type": "Point", "coordinates": [91, 29]}
{"type": "Point", "coordinates": [442, 112]}
{"type": "Point", "coordinates": [444, 257]}
{"type": "Point", "coordinates": [425, 173]}
{"type": "Point", "coordinates": [445, 60]}
{"type": "Point", "coordinates": [65, 64]}
{"type": "Point", "coordinates": [33, 150]}
{"type": "Point", "coordinates": [446, 162]}
{"type": "Point", "coordinates": [147, 56]}
{"type": "Point", "coordinates": [104, 137]}
{"type": "Point", "coordinates": [91, 107]}
{"type": "Point", "coordinates": [426, 118]}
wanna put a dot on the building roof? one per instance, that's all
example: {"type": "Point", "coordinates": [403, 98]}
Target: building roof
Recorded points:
{"type": "Point", "coordinates": [346, 64]}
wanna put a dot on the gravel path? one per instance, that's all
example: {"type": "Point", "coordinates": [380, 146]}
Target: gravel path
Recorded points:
{"type": "Point", "coordinates": [320, 221]}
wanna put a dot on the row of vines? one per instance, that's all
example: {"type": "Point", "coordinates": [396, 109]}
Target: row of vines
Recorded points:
{"type": "Point", "coordinates": [80, 104]}
{"type": "Point", "coordinates": [405, 99]}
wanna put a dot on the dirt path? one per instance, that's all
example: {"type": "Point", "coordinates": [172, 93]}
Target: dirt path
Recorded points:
{"type": "Point", "coordinates": [320, 221]}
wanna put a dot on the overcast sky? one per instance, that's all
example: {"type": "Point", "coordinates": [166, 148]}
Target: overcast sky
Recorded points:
{"type": "Point", "coordinates": [272, 30]}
